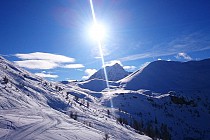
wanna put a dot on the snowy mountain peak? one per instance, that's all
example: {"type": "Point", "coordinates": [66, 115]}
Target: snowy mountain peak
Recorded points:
{"type": "Point", "coordinates": [117, 65]}
{"type": "Point", "coordinates": [114, 73]}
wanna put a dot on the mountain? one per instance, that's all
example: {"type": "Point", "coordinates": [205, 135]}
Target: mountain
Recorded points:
{"type": "Point", "coordinates": [114, 73]}
{"type": "Point", "coordinates": [164, 76]}
{"type": "Point", "coordinates": [166, 100]}
{"type": "Point", "coordinates": [34, 108]}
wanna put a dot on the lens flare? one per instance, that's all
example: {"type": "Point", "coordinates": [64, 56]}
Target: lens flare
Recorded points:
{"type": "Point", "coordinates": [99, 31]}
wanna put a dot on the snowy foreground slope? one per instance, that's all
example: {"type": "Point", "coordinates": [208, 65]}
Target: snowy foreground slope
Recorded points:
{"type": "Point", "coordinates": [167, 100]}
{"type": "Point", "coordinates": [33, 108]}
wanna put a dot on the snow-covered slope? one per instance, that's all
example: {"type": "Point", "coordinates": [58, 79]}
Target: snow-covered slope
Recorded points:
{"type": "Point", "coordinates": [167, 100]}
{"type": "Point", "coordinates": [97, 84]}
{"type": "Point", "coordinates": [94, 85]}
{"type": "Point", "coordinates": [27, 104]}
{"type": "Point", "coordinates": [171, 99]}
{"type": "Point", "coordinates": [174, 115]}
{"type": "Point", "coordinates": [163, 76]}
{"type": "Point", "coordinates": [114, 73]}
{"type": "Point", "coordinates": [33, 108]}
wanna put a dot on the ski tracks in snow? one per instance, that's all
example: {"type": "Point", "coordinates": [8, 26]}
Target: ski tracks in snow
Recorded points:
{"type": "Point", "coordinates": [32, 130]}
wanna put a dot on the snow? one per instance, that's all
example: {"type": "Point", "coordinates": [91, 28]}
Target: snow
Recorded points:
{"type": "Point", "coordinates": [33, 108]}
{"type": "Point", "coordinates": [182, 120]}
{"type": "Point", "coordinates": [163, 100]}
{"type": "Point", "coordinates": [44, 124]}
{"type": "Point", "coordinates": [96, 84]}
{"type": "Point", "coordinates": [170, 94]}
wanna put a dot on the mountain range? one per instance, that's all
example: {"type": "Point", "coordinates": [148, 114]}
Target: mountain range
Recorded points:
{"type": "Point", "coordinates": [164, 100]}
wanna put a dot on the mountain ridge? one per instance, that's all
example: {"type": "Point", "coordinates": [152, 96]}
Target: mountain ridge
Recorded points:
{"type": "Point", "coordinates": [163, 76]}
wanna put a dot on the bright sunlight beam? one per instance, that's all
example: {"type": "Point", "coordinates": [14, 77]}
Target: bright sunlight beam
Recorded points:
{"type": "Point", "coordinates": [99, 34]}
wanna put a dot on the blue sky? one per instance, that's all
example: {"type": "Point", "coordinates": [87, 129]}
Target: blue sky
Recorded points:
{"type": "Point", "coordinates": [50, 38]}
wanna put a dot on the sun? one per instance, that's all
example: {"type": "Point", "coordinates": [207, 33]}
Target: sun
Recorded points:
{"type": "Point", "coordinates": [97, 32]}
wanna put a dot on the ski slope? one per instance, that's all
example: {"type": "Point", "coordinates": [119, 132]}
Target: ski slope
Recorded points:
{"type": "Point", "coordinates": [33, 108]}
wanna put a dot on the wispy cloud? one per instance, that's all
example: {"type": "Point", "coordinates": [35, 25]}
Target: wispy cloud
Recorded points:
{"type": "Point", "coordinates": [137, 56]}
{"type": "Point", "coordinates": [46, 75]}
{"type": "Point", "coordinates": [185, 43]}
{"type": "Point", "coordinates": [74, 66]}
{"type": "Point", "coordinates": [37, 64]}
{"type": "Point", "coordinates": [46, 56]}
{"type": "Point", "coordinates": [183, 55]}
{"type": "Point", "coordinates": [88, 73]}
{"type": "Point", "coordinates": [107, 49]}
{"type": "Point", "coordinates": [41, 60]}
{"type": "Point", "coordinates": [129, 68]}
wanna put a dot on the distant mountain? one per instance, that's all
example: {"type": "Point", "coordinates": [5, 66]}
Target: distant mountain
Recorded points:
{"type": "Point", "coordinates": [163, 76]}
{"type": "Point", "coordinates": [164, 100]}
{"type": "Point", "coordinates": [114, 73]}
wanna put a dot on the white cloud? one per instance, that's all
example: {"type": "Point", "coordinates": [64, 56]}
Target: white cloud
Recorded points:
{"type": "Point", "coordinates": [97, 57]}
{"type": "Point", "coordinates": [40, 60]}
{"type": "Point", "coordinates": [159, 59]}
{"type": "Point", "coordinates": [46, 56]}
{"type": "Point", "coordinates": [85, 77]}
{"type": "Point", "coordinates": [136, 57]}
{"type": "Point", "coordinates": [110, 63]}
{"type": "Point", "coordinates": [80, 69]}
{"type": "Point", "coordinates": [183, 55]}
{"type": "Point", "coordinates": [74, 66]}
{"type": "Point", "coordinates": [46, 75]}
{"type": "Point", "coordinates": [131, 68]}
{"type": "Point", "coordinates": [88, 73]}
{"type": "Point", "coordinates": [37, 64]}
